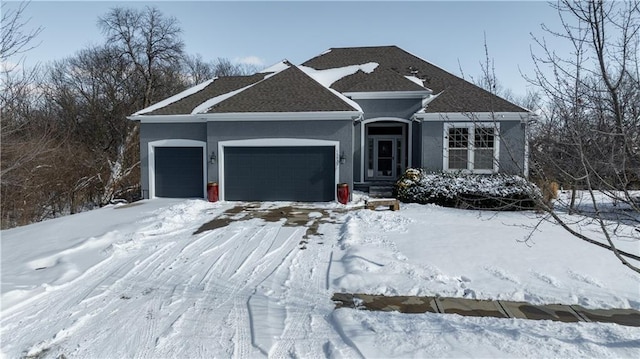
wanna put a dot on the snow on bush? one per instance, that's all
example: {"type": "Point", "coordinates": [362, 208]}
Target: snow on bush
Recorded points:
{"type": "Point", "coordinates": [473, 191]}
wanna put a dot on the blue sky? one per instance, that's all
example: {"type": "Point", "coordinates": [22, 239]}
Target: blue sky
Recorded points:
{"type": "Point", "coordinates": [448, 34]}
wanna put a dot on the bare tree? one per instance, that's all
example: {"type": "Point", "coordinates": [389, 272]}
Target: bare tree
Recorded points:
{"type": "Point", "coordinates": [225, 67]}
{"type": "Point", "coordinates": [151, 44]}
{"type": "Point", "coordinates": [591, 139]}
{"type": "Point", "coordinates": [15, 39]}
{"type": "Point", "coordinates": [197, 70]}
{"type": "Point", "coordinates": [149, 40]}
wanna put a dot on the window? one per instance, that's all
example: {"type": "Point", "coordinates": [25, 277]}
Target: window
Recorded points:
{"type": "Point", "coordinates": [471, 147]}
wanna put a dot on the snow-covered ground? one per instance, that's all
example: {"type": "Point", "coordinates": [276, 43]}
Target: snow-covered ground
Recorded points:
{"type": "Point", "coordinates": [134, 281]}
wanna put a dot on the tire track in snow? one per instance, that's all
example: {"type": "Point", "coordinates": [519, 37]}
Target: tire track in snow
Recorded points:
{"type": "Point", "coordinates": [308, 329]}
{"type": "Point", "coordinates": [192, 295]}
{"type": "Point", "coordinates": [221, 313]}
{"type": "Point", "coordinates": [158, 312]}
{"type": "Point", "coordinates": [299, 311]}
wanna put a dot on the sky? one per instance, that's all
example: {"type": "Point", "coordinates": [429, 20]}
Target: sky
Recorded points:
{"type": "Point", "coordinates": [448, 34]}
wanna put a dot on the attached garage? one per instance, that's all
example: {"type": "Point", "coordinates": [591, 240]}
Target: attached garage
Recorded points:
{"type": "Point", "coordinates": [177, 171]}
{"type": "Point", "coordinates": [280, 173]}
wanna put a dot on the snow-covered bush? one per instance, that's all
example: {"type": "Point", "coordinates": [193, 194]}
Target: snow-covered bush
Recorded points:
{"type": "Point", "coordinates": [473, 191]}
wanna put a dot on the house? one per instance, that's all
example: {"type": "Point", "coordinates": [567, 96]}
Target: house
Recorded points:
{"type": "Point", "coordinates": [358, 115]}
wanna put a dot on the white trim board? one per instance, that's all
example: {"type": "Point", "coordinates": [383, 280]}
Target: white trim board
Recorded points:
{"type": "Point", "coordinates": [166, 119]}
{"type": "Point", "coordinates": [174, 143]}
{"type": "Point", "coordinates": [382, 95]}
{"type": "Point", "coordinates": [250, 116]}
{"type": "Point", "coordinates": [276, 142]}
{"type": "Point", "coordinates": [473, 116]}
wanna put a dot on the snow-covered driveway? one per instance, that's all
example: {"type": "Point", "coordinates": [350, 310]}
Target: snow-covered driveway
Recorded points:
{"type": "Point", "coordinates": [187, 278]}
{"type": "Point", "coordinates": [251, 288]}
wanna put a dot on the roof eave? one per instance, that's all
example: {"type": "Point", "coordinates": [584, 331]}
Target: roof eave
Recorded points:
{"type": "Point", "coordinates": [184, 118]}
{"type": "Point", "coordinates": [383, 95]}
{"type": "Point", "coordinates": [281, 116]}
{"type": "Point", "coordinates": [522, 117]}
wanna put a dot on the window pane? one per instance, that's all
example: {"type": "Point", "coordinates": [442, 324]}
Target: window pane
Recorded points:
{"type": "Point", "coordinates": [484, 137]}
{"type": "Point", "coordinates": [483, 159]}
{"type": "Point", "coordinates": [458, 137]}
{"type": "Point", "coordinates": [385, 148]}
{"type": "Point", "coordinates": [458, 159]}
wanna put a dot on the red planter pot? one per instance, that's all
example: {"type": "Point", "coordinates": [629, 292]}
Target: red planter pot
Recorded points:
{"type": "Point", "coordinates": [212, 191]}
{"type": "Point", "coordinates": [343, 193]}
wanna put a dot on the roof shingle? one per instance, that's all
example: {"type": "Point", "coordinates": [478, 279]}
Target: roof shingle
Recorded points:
{"type": "Point", "coordinates": [457, 95]}
{"type": "Point", "coordinates": [219, 86]}
{"type": "Point", "coordinates": [290, 90]}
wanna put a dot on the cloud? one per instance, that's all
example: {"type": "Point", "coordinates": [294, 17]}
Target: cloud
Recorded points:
{"type": "Point", "coordinates": [250, 60]}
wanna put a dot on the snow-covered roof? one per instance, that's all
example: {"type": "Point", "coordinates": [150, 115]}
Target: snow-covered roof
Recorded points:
{"type": "Point", "coordinates": [400, 70]}
{"type": "Point", "coordinates": [325, 82]}
{"type": "Point", "coordinates": [329, 76]}
{"type": "Point", "coordinates": [164, 103]}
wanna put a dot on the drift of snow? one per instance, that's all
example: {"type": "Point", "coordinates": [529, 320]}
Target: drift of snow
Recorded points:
{"type": "Point", "coordinates": [208, 104]}
{"type": "Point", "coordinates": [257, 288]}
{"type": "Point", "coordinates": [175, 98]}
{"type": "Point", "coordinates": [329, 76]}
{"type": "Point", "coordinates": [415, 80]}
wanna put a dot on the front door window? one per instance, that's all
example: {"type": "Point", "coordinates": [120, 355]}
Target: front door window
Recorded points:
{"type": "Point", "coordinates": [385, 160]}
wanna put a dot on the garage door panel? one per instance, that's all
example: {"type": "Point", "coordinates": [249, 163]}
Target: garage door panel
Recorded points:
{"type": "Point", "coordinates": [179, 172]}
{"type": "Point", "coordinates": [280, 173]}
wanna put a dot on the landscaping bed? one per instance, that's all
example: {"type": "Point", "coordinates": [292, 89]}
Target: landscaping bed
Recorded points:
{"type": "Point", "coordinates": [468, 191]}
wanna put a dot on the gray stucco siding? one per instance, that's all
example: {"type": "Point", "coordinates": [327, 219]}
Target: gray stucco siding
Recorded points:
{"type": "Point", "coordinates": [432, 145]}
{"type": "Point", "coordinates": [150, 132]}
{"type": "Point", "coordinates": [357, 150]}
{"type": "Point", "coordinates": [398, 108]}
{"type": "Point", "coordinates": [512, 144]}
{"type": "Point", "coordinates": [330, 130]}
{"type": "Point", "coordinates": [416, 154]}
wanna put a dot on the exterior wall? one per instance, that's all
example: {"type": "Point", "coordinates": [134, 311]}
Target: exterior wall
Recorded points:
{"type": "Point", "coordinates": [512, 144]}
{"type": "Point", "coordinates": [391, 108]}
{"type": "Point", "coordinates": [432, 145]}
{"type": "Point", "coordinates": [164, 131]}
{"type": "Point", "coordinates": [416, 156]}
{"type": "Point", "coordinates": [357, 150]}
{"type": "Point", "coordinates": [333, 130]}
{"type": "Point", "coordinates": [400, 108]}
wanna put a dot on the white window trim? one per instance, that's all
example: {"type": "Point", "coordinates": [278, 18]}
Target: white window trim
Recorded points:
{"type": "Point", "coordinates": [363, 135]}
{"type": "Point", "coordinates": [471, 146]}
{"type": "Point", "coordinates": [276, 142]}
{"type": "Point", "coordinates": [174, 143]}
